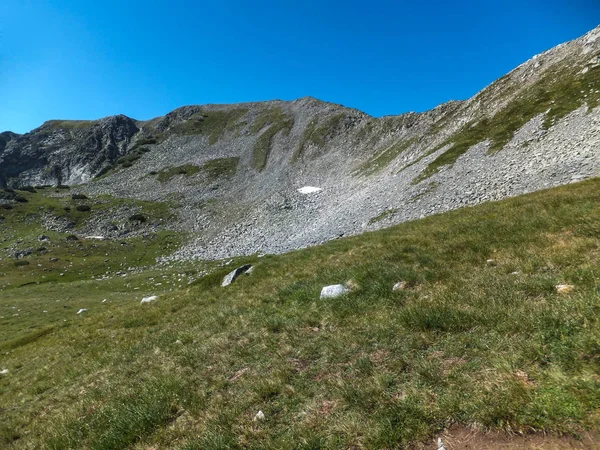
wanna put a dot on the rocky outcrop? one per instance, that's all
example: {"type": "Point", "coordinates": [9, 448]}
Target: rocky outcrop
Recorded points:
{"type": "Point", "coordinates": [64, 152]}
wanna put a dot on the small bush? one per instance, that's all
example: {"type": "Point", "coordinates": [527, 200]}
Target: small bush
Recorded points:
{"type": "Point", "coordinates": [27, 189]}
{"type": "Point", "coordinates": [79, 197]}
{"type": "Point", "coordinates": [153, 172]}
{"type": "Point", "coordinates": [5, 206]}
{"type": "Point", "coordinates": [83, 208]}
{"type": "Point", "coordinates": [9, 190]}
{"type": "Point", "coordinates": [71, 237]}
{"type": "Point", "coordinates": [127, 164]}
{"type": "Point", "coordinates": [22, 262]}
{"type": "Point", "coordinates": [63, 186]}
{"type": "Point", "coordinates": [67, 208]}
{"type": "Point", "coordinates": [20, 199]}
{"type": "Point", "coordinates": [138, 218]}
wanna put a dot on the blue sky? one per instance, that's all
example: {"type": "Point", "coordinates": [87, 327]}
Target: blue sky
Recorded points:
{"type": "Point", "coordinates": [86, 59]}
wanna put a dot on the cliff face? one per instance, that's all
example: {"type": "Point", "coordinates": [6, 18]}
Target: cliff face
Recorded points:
{"type": "Point", "coordinates": [233, 171]}
{"type": "Point", "coordinates": [64, 152]}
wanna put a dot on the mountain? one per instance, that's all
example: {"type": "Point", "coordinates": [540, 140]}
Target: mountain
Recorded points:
{"type": "Point", "coordinates": [231, 173]}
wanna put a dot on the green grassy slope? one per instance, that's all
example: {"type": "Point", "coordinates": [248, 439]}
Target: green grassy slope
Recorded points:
{"type": "Point", "coordinates": [468, 341]}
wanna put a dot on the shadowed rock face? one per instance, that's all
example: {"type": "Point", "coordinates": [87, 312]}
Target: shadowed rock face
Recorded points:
{"type": "Point", "coordinates": [232, 172]}
{"type": "Point", "coordinates": [64, 152]}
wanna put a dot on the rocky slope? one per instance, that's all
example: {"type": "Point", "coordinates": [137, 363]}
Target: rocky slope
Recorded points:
{"type": "Point", "coordinates": [232, 172]}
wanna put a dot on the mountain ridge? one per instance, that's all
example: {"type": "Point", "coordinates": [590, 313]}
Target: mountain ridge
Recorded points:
{"type": "Point", "coordinates": [232, 172]}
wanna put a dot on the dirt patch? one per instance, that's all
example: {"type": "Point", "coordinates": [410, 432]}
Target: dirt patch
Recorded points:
{"type": "Point", "coordinates": [461, 438]}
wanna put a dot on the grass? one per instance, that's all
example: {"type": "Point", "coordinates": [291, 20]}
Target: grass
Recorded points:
{"type": "Point", "coordinates": [70, 124]}
{"type": "Point", "coordinates": [271, 121]}
{"type": "Point", "coordinates": [317, 134]}
{"type": "Point", "coordinates": [213, 124]}
{"type": "Point", "coordinates": [382, 159]}
{"type": "Point", "coordinates": [557, 94]}
{"type": "Point", "coordinates": [221, 167]}
{"type": "Point", "coordinates": [468, 342]}
{"type": "Point", "coordinates": [212, 169]}
{"type": "Point", "coordinates": [384, 215]}
{"type": "Point", "coordinates": [167, 174]}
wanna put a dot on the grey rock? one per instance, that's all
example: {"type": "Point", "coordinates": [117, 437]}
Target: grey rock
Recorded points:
{"type": "Point", "coordinates": [233, 275]}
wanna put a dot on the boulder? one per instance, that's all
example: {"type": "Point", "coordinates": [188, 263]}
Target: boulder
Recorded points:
{"type": "Point", "coordinates": [149, 299]}
{"type": "Point", "coordinates": [334, 290]}
{"type": "Point", "coordinates": [82, 310]}
{"type": "Point", "coordinates": [232, 276]}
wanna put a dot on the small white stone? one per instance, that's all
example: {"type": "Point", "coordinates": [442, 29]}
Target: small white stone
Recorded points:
{"type": "Point", "coordinates": [104, 301]}
{"type": "Point", "coordinates": [149, 299]}
{"type": "Point", "coordinates": [564, 288]}
{"type": "Point", "coordinates": [3, 371]}
{"type": "Point", "coordinates": [400, 285]}
{"type": "Point", "coordinates": [259, 416]}
{"type": "Point", "coordinates": [440, 444]}
{"type": "Point", "coordinates": [82, 310]}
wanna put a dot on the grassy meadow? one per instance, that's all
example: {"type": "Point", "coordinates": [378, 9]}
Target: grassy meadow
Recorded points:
{"type": "Point", "coordinates": [479, 337]}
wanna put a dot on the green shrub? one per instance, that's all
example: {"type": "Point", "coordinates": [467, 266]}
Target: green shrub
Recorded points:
{"type": "Point", "coordinates": [22, 262]}
{"type": "Point", "coordinates": [20, 199]}
{"type": "Point", "coordinates": [83, 208]}
{"type": "Point", "coordinates": [79, 197]}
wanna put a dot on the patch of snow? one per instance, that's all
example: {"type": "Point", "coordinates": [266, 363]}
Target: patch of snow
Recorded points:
{"type": "Point", "coordinates": [309, 189]}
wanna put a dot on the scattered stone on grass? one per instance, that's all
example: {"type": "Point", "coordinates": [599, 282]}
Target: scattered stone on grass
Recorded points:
{"type": "Point", "coordinates": [335, 290]}
{"type": "Point", "coordinates": [232, 276]}
{"type": "Point", "coordinates": [149, 299]}
{"type": "Point", "coordinates": [564, 288]}
{"type": "Point", "coordinates": [399, 286]}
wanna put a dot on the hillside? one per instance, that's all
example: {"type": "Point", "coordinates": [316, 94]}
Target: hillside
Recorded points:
{"type": "Point", "coordinates": [231, 173]}
{"type": "Point", "coordinates": [495, 327]}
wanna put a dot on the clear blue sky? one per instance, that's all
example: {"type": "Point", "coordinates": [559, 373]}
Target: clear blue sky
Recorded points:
{"type": "Point", "coordinates": [86, 59]}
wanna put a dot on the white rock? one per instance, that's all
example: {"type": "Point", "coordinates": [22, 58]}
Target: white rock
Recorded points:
{"type": "Point", "coordinates": [99, 238]}
{"type": "Point", "coordinates": [309, 189]}
{"type": "Point", "coordinates": [399, 286]}
{"type": "Point", "coordinates": [3, 371]}
{"type": "Point", "coordinates": [259, 416]}
{"type": "Point", "coordinates": [149, 299]}
{"type": "Point", "coordinates": [564, 288]}
{"type": "Point", "coordinates": [104, 301]}
{"type": "Point", "coordinates": [440, 444]}
{"type": "Point", "coordinates": [82, 310]}
{"type": "Point", "coordinates": [334, 290]}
